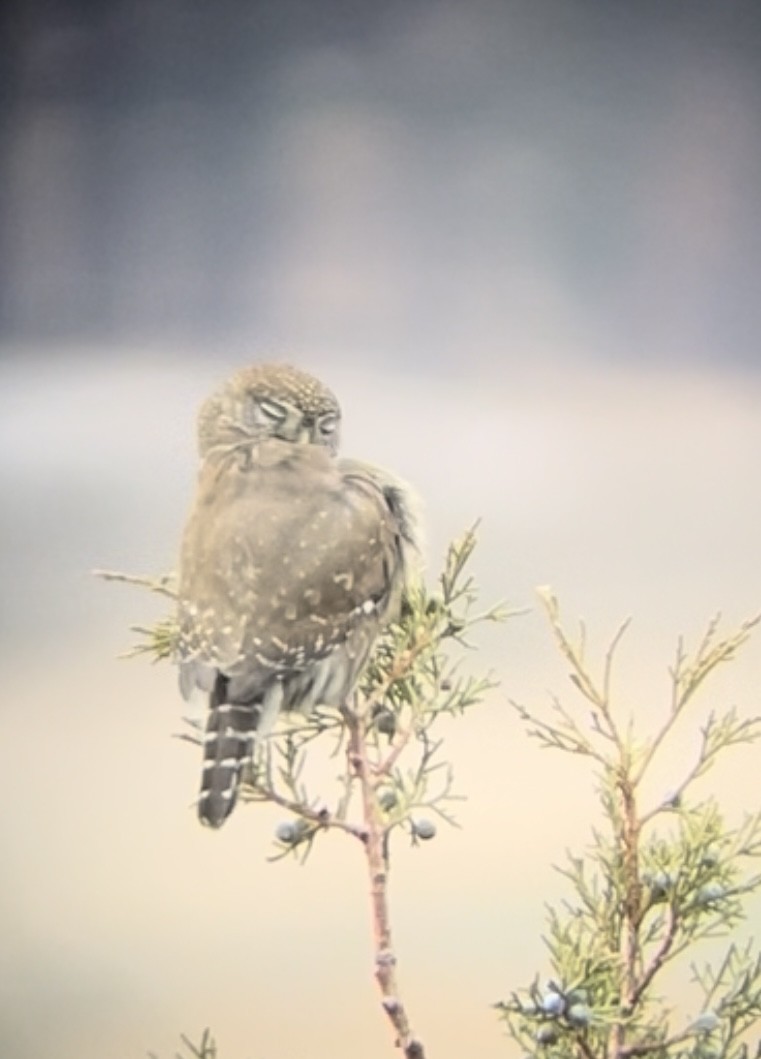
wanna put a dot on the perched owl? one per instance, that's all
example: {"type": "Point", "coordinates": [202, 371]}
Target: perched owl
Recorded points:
{"type": "Point", "coordinates": [292, 562]}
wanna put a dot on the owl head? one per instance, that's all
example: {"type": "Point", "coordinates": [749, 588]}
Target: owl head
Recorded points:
{"type": "Point", "coordinates": [269, 401]}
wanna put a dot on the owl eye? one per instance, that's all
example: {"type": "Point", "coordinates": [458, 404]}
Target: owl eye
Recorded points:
{"type": "Point", "coordinates": [274, 411]}
{"type": "Point", "coordinates": [328, 423]}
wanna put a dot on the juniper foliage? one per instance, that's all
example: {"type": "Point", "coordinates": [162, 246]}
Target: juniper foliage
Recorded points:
{"type": "Point", "coordinates": [654, 882]}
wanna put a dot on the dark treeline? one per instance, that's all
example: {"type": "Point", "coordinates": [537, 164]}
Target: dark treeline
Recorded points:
{"type": "Point", "coordinates": [134, 146]}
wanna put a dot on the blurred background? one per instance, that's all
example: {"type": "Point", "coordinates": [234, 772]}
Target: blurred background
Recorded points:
{"type": "Point", "coordinates": [521, 240]}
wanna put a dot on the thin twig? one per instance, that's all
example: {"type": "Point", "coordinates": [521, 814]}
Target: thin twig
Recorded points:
{"type": "Point", "coordinates": [256, 792]}
{"type": "Point", "coordinates": [161, 585]}
{"type": "Point", "coordinates": [376, 854]}
{"type": "Point", "coordinates": [658, 958]}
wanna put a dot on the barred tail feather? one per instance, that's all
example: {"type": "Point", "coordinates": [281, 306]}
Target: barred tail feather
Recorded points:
{"type": "Point", "coordinates": [226, 746]}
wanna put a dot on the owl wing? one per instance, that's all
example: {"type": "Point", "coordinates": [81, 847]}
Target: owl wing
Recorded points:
{"type": "Point", "coordinates": [285, 556]}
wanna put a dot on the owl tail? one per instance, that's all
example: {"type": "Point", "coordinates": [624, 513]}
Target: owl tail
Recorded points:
{"type": "Point", "coordinates": [226, 746]}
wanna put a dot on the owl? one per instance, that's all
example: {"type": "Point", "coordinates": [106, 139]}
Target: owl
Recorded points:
{"type": "Point", "coordinates": [291, 564]}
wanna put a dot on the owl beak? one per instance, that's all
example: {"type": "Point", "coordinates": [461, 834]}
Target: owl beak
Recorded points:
{"type": "Point", "coordinates": [304, 436]}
